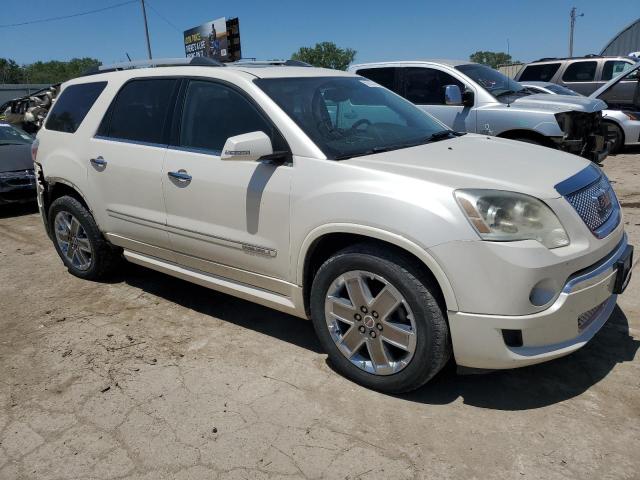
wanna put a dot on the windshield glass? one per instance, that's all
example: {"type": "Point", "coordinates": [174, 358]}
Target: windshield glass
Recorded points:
{"type": "Point", "coordinates": [13, 136]}
{"type": "Point", "coordinates": [560, 90]}
{"type": "Point", "coordinates": [352, 116]}
{"type": "Point", "coordinates": [492, 81]}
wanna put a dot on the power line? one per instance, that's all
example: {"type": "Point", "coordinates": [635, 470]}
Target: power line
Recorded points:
{"type": "Point", "coordinates": [162, 16]}
{"type": "Point", "coordinates": [63, 17]}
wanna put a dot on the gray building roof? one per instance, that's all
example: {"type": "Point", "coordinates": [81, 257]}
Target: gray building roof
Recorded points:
{"type": "Point", "coordinates": [625, 42]}
{"type": "Point", "coordinates": [9, 91]}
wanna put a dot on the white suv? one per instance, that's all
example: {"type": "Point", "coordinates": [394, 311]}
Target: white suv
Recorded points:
{"type": "Point", "coordinates": [323, 195]}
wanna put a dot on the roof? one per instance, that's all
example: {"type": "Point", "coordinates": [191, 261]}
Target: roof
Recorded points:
{"type": "Point", "coordinates": [438, 61]}
{"type": "Point", "coordinates": [625, 41]}
{"type": "Point", "coordinates": [585, 57]}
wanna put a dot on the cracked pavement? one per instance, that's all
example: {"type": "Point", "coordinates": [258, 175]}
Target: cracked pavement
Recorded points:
{"type": "Point", "coordinates": [149, 377]}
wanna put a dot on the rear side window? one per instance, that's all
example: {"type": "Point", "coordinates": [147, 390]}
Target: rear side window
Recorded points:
{"type": "Point", "coordinates": [139, 112]}
{"type": "Point", "coordinates": [580, 72]}
{"type": "Point", "coordinates": [73, 105]}
{"type": "Point", "coordinates": [425, 86]}
{"type": "Point", "coordinates": [539, 73]}
{"type": "Point", "coordinates": [213, 112]}
{"type": "Point", "coordinates": [613, 68]}
{"type": "Point", "coordinates": [382, 76]}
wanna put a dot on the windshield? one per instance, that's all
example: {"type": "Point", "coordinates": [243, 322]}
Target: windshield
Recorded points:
{"type": "Point", "coordinates": [492, 81]}
{"type": "Point", "coordinates": [10, 135]}
{"type": "Point", "coordinates": [560, 90]}
{"type": "Point", "coordinates": [352, 116]}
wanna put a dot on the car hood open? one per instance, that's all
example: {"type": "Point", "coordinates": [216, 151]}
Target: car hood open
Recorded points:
{"type": "Point", "coordinates": [613, 81]}
{"type": "Point", "coordinates": [477, 161]}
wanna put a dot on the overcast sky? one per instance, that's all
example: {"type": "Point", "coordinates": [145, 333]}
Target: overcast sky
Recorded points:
{"type": "Point", "coordinates": [378, 30]}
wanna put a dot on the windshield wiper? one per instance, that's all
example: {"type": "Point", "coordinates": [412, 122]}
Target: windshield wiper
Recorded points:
{"type": "Point", "coordinates": [434, 137]}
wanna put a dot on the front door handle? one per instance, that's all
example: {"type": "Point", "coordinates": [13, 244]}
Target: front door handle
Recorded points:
{"type": "Point", "coordinates": [180, 175]}
{"type": "Point", "coordinates": [98, 162]}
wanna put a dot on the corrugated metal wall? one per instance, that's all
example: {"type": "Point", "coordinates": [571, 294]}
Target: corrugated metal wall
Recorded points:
{"type": "Point", "coordinates": [9, 91]}
{"type": "Point", "coordinates": [625, 42]}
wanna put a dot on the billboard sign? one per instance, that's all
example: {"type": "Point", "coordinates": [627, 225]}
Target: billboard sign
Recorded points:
{"type": "Point", "coordinates": [208, 40]}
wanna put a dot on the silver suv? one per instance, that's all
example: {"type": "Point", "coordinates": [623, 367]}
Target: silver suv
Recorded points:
{"type": "Point", "coordinates": [469, 97]}
{"type": "Point", "coordinates": [581, 74]}
{"type": "Point", "coordinates": [322, 195]}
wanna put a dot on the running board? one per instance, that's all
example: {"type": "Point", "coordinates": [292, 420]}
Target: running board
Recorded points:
{"type": "Point", "coordinates": [224, 285]}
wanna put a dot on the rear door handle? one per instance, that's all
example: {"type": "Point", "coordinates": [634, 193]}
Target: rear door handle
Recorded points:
{"type": "Point", "coordinates": [98, 162]}
{"type": "Point", "coordinates": [180, 175]}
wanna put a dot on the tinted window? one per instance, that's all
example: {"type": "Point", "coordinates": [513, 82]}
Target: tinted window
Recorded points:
{"type": "Point", "coordinates": [350, 116]}
{"type": "Point", "coordinates": [382, 76]}
{"type": "Point", "coordinates": [580, 72]}
{"type": "Point", "coordinates": [213, 112]}
{"type": "Point", "coordinates": [139, 112]}
{"type": "Point", "coordinates": [73, 105]}
{"type": "Point", "coordinates": [425, 86]}
{"type": "Point", "coordinates": [539, 73]}
{"type": "Point", "coordinates": [613, 68]}
{"type": "Point", "coordinates": [560, 90]}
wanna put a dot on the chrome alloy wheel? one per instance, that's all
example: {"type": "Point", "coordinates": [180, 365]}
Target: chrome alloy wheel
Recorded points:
{"type": "Point", "coordinates": [73, 240]}
{"type": "Point", "coordinates": [370, 322]}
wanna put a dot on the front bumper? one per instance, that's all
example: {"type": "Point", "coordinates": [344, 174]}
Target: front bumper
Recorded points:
{"type": "Point", "coordinates": [595, 147]}
{"type": "Point", "coordinates": [583, 306]}
{"type": "Point", "coordinates": [17, 187]}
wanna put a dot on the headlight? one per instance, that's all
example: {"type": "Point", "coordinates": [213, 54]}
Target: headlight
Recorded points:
{"type": "Point", "coordinates": [507, 216]}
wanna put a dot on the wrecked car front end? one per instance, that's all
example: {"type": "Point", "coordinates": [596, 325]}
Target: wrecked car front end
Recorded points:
{"type": "Point", "coordinates": [584, 135]}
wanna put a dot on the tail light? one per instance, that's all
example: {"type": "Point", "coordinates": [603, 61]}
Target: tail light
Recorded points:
{"type": "Point", "coordinates": [34, 149]}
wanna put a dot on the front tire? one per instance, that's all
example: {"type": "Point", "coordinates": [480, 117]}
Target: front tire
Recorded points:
{"type": "Point", "coordinates": [615, 136]}
{"type": "Point", "coordinates": [79, 242]}
{"type": "Point", "coordinates": [378, 319]}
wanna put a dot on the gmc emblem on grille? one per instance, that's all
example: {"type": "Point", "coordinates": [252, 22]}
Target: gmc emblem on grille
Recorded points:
{"type": "Point", "coordinates": [603, 201]}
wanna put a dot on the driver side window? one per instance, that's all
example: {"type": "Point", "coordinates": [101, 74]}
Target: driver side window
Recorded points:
{"type": "Point", "coordinates": [425, 86]}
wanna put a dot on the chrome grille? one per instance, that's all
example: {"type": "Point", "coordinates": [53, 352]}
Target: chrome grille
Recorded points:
{"type": "Point", "coordinates": [596, 204]}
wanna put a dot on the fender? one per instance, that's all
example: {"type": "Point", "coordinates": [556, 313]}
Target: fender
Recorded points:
{"type": "Point", "coordinates": [395, 239]}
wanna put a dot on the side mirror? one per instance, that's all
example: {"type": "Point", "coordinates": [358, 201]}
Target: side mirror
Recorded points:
{"type": "Point", "coordinates": [247, 147]}
{"type": "Point", "coordinates": [452, 95]}
{"type": "Point", "coordinates": [468, 98]}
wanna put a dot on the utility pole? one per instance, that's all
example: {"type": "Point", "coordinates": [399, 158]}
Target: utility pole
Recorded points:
{"type": "Point", "coordinates": [146, 29]}
{"type": "Point", "coordinates": [572, 16]}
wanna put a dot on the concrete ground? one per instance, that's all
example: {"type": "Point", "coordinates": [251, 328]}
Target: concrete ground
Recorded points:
{"type": "Point", "coordinates": [149, 377]}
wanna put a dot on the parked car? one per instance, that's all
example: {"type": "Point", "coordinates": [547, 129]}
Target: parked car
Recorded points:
{"type": "Point", "coordinates": [549, 88]}
{"type": "Point", "coordinates": [621, 120]}
{"type": "Point", "coordinates": [321, 194]}
{"type": "Point", "coordinates": [469, 97]}
{"type": "Point", "coordinates": [581, 74]}
{"type": "Point", "coordinates": [17, 181]}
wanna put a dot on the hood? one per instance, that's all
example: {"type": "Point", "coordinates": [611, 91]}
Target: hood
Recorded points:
{"type": "Point", "coordinates": [477, 161]}
{"type": "Point", "coordinates": [559, 103]}
{"type": "Point", "coordinates": [613, 81]}
{"type": "Point", "coordinates": [15, 157]}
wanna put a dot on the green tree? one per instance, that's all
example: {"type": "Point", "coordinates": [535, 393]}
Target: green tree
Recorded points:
{"type": "Point", "coordinates": [10, 71]}
{"type": "Point", "coordinates": [492, 59]}
{"type": "Point", "coordinates": [326, 55]}
{"type": "Point", "coordinates": [55, 71]}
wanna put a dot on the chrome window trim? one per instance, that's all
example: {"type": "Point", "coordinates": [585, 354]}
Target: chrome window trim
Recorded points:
{"type": "Point", "coordinates": [132, 142]}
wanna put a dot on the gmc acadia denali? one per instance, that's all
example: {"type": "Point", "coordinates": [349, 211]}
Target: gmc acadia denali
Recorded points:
{"type": "Point", "coordinates": [323, 195]}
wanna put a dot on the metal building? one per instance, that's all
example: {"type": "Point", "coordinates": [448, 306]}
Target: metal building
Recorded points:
{"type": "Point", "coordinates": [625, 42]}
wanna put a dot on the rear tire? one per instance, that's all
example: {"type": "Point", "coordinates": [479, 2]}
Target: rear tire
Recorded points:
{"type": "Point", "coordinates": [396, 348]}
{"type": "Point", "coordinates": [79, 242]}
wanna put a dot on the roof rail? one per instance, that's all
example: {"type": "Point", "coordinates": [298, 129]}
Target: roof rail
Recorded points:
{"type": "Point", "coordinates": [156, 62]}
{"type": "Point", "coordinates": [271, 63]}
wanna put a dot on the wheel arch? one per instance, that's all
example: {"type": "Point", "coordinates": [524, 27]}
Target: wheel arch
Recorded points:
{"type": "Point", "coordinates": [58, 187]}
{"type": "Point", "coordinates": [322, 242]}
